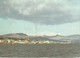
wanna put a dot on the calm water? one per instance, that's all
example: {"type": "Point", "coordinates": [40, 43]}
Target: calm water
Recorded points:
{"type": "Point", "coordinates": [45, 50]}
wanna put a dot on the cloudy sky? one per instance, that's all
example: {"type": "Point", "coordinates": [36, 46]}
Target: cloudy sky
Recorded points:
{"type": "Point", "coordinates": [50, 16]}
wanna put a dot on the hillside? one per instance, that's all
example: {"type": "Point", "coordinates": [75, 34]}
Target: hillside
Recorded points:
{"type": "Point", "coordinates": [14, 36]}
{"type": "Point", "coordinates": [74, 38]}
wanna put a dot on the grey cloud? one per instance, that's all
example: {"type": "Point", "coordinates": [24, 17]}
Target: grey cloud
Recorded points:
{"type": "Point", "coordinates": [41, 11]}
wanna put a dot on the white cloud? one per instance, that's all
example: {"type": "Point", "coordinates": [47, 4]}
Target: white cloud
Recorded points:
{"type": "Point", "coordinates": [41, 11]}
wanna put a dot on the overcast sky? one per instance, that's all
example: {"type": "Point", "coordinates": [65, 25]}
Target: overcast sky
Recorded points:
{"type": "Point", "coordinates": [51, 16]}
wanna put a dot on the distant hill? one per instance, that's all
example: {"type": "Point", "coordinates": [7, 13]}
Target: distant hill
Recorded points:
{"type": "Point", "coordinates": [39, 38]}
{"type": "Point", "coordinates": [20, 34]}
{"type": "Point", "coordinates": [14, 36]}
{"type": "Point", "coordinates": [74, 38]}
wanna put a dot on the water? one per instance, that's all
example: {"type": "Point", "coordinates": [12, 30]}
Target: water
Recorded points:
{"type": "Point", "coordinates": [37, 50]}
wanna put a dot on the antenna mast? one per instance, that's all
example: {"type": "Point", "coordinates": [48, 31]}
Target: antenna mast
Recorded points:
{"type": "Point", "coordinates": [36, 33]}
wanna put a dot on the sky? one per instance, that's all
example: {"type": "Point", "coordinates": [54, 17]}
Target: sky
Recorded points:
{"type": "Point", "coordinates": [50, 17]}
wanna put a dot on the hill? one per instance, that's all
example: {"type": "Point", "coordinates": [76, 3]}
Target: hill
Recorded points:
{"type": "Point", "coordinates": [74, 38]}
{"type": "Point", "coordinates": [14, 36]}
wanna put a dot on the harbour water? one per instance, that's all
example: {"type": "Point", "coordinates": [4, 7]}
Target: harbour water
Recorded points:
{"type": "Point", "coordinates": [39, 50]}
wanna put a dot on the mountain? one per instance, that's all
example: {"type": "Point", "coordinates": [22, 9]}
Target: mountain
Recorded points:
{"type": "Point", "coordinates": [40, 38]}
{"type": "Point", "coordinates": [20, 34]}
{"type": "Point", "coordinates": [74, 38]}
{"type": "Point", "coordinates": [56, 37]}
{"type": "Point", "coordinates": [14, 36]}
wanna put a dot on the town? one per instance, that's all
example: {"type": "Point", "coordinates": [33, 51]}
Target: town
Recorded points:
{"type": "Point", "coordinates": [25, 41]}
